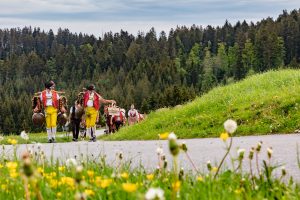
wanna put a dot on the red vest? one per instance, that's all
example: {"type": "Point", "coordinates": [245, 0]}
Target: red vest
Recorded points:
{"type": "Point", "coordinates": [54, 98]}
{"type": "Point", "coordinates": [96, 100]}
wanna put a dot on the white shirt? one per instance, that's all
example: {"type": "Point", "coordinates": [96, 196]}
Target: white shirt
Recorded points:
{"type": "Point", "coordinates": [90, 102]}
{"type": "Point", "coordinates": [49, 98]}
{"type": "Point", "coordinates": [133, 112]}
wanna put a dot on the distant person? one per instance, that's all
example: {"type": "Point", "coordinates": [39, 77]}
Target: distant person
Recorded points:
{"type": "Point", "coordinates": [119, 119]}
{"type": "Point", "coordinates": [49, 98]}
{"type": "Point", "coordinates": [133, 115]}
{"type": "Point", "coordinates": [76, 112]}
{"type": "Point", "coordinates": [91, 106]}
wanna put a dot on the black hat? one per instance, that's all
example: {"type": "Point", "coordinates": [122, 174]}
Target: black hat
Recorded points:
{"type": "Point", "coordinates": [91, 87]}
{"type": "Point", "coordinates": [49, 84]}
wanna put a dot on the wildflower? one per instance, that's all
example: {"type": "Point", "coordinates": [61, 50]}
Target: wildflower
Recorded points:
{"type": "Point", "coordinates": [59, 194]}
{"type": "Point", "coordinates": [159, 151]}
{"type": "Point", "coordinates": [200, 178]}
{"type": "Point", "coordinates": [238, 191]}
{"type": "Point", "coordinates": [172, 136]}
{"type": "Point", "coordinates": [89, 192]}
{"type": "Point", "coordinates": [90, 173]}
{"type": "Point", "coordinates": [176, 186]}
{"type": "Point", "coordinates": [71, 162]}
{"type": "Point", "coordinates": [124, 175]}
{"type": "Point", "coordinates": [1, 166]}
{"type": "Point", "coordinates": [283, 171]}
{"type": "Point", "coordinates": [105, 183]}
{"type": "Point", "coordinates": [129, 187]}
{"type": "Point", "coordinates": [12, 141]}
{"type": "Point", "coordinates": [208, 164]}
{"type": "Point", "coordinates": [214, 169]}
{"type": "Point", "coordinates": [251, 153]}
{"type": "Point", "coordinates": [163, 136]}
{"type": "Point", "coordinates": [24, 135]}
{"type": "Point", "coordinates": [230, 126]}
{"type": "Point", "coordinates": [270, 152]}
{"type": "Point", "coordinates": [224, 136]}
{"type": "Point", "coordinates": [3, 187]}
{"type": "Point", "coordinates": [11, 165]}
{"type": "Point", "coordinates": [258, 147]}
{"type": "Point", "coordinates": [150, 177]}
{"type": "Point", "coordinates": [154, 194]}
{"type": "Point", "coordinates": [61, 168]}
{"type": "Point", "coordinates": [241, 153]}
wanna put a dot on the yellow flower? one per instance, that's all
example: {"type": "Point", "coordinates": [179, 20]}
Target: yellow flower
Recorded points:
{"type": "Point", "coordinates": [53, 183]}
{"type": "Point", "coordinates": [224, 136]}
{"type": "Point", "coordinates": [59, 194]}
{"type": "Point", "coordinates": [12, 165]}
{"type": "Point", "coordinates": [90, 173]}
{"type": "Point", "coordinates": [238, 191]}
{"type": "Point", "coordinates": [40, 170]}
{"type": "Point", "coordinates": [13, 174]}
{"type": "Point", "coordinates": [125, 175]}
{"type": "Point", "coordinates": [214, 169]}
{"type": "Point", "coordinates": [129, 187]}
{"type": "Point", "coordinates": [61, 168]}
{"type": "Point", "coordinates": [105, 183]}
{"type": "Point", "coordinates": [12, 141]}
{"type": "Point", "coordinates": [163, 136]}
{"type": "Point", "coordinates": [1, 166]}
{"type": "Point", "coordinates": [89, 192]}
{"type": "Point", "coordinates": [68, 181]}
{"type": "Point", "coordinates": [200, 178]}
{"type": "Point", "coordinates": [3, 187]}
{"type": "Point", "coordinates": [150, 177]}
{"type": "Point", "coordinates": [176, 186]}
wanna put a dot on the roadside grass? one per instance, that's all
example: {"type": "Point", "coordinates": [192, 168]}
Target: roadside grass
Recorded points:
{"type": "Point", "coordinates": [261, 104]}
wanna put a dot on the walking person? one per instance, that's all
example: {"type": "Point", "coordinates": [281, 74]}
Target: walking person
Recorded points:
{"type": "Point", "coordinates": [76, 112]}
{"type": "Point", "coordinates": [92, 102]}
{"type": "Point", "coordinates": [133, 115]}
{"type": "Point", "coordinates": [49, 98]}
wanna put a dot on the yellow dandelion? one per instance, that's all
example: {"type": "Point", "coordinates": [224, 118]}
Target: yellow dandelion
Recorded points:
{"type": "Point", "coordinates": [13, 174]}
{"type": "Point", "coordinates": [12, 165]}
{"type": "Point", "coordinates": [105, 183]}
{"type": "Point", "coordinates": [90, 173]}
{"type": "Point", "coordinates": [40, 170]}
{"type": "Point", "coordinates": [12, 141]}
{"type": "Point", "coordinates": [124, 175]}
{"type": "Point", "coordinates": [150, 177]}
{"type": "Point", "coordinates": [1, 166]}
{"type": "Point", "coordinates": [61, 168]}
{"type": "Point", "coordinates": [129, 187]}
{"type": "Point", "coordinates": [163, 136]}
{"type": "Point", "coordinates": [53, 183]}
{"type": "Point", "coordinates": [200, 178]}
{"type": "Point", "coordinates": [89, 192]}
{"type": "Point", "coordinates": [58, 195]}
{"type": "Point", "coordinates": [176, 186]}
{"type": "Point", "coordinates": [214, 169]}
{"type": "Point", "coordinates": [224, 136]}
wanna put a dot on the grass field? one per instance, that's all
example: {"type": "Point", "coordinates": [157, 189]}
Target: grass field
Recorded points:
{"type": "Point", "coordinates": [261, 104]}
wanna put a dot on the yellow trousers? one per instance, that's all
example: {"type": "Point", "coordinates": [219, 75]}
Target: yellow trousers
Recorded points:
{"type": "Point", "coordinates": [51, 116]}
{"type": "Point", "coordinates": [90, 117]}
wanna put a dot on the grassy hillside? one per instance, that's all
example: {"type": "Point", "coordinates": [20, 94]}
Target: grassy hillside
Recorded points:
{"type": "Point", "coordinates": [261, 104]}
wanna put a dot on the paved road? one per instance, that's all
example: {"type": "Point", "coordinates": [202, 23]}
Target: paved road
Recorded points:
{"type": "Point", "coordinates": [200, 150]}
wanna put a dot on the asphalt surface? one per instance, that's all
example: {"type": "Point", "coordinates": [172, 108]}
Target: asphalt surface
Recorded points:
{"type": "Point", "coordinates": [200, 151]}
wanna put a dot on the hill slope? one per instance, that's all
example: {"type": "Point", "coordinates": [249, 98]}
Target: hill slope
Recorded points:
{"type": "Point", "coordinates": [261, 104]}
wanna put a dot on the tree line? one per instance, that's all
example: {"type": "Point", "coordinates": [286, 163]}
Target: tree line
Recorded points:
{"type": "Point", "coordinates": [150, 70]}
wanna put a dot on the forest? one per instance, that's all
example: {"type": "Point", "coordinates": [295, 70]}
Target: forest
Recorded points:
{"type": "Point", "coordinates": [151, 70]}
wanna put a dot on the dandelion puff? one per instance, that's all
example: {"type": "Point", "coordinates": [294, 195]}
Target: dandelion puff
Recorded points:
{"type": "Point", "coordinates": [230, 126]}
{"type": "Point", "coordinates": [159, 151]}
{"type": "Point", "coordinates": [154, 193]}
{"type": "Point", "coordinates": [172, 136]}
{"type": "Point", "coordinates": [24, 135]}
{"type": "Point", "coordinates": [71, 162]}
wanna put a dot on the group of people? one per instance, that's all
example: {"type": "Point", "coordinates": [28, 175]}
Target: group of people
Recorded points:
{"type": "Point", "coordinates": [89, 108]}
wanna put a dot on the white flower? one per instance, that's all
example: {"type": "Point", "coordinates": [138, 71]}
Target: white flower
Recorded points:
{"type": "Point", "coordinates": [71, 162]}
{"type": "Point", "coordinates": [241, 151]}
{"type": "Point", "coordinates": [154, 193]}
{"type": "Point", "coordinates": [172, 136]}
{"type": "Point", "coordinates": [24, 135]}
{"type": "Point", "coordinates": [230, 126]}
{"type": "Point", "coordinates": [159, 151]}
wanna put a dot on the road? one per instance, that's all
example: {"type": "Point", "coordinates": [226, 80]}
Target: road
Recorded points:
{"type": "Point", "coordinates": [200, 150]}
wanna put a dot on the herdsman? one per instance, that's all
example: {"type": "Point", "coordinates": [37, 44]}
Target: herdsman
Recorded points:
{"type": "Point", "coordinates": [49, 98]}
{"type": "Point", "coordinates": [133, 115]}
{"type": "Point", "coordinates": [91, 104]}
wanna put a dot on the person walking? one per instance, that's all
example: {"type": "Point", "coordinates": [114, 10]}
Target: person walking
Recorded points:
{"type": "Point", "coordinates": [133, 115]}
{"type": "Point", "coordinates": [92, 102]}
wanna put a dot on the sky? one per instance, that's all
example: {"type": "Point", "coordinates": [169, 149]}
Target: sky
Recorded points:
{"type": "Point", "coordinates": [98, 16]}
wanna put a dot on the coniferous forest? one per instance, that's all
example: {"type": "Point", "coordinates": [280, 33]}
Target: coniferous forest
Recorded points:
{"type": "Point", "coordinates": [151, 70]}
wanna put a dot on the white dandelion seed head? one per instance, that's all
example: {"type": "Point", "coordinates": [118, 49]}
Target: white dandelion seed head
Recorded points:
{"type": "Point", "coordinates": [154, 193]}
{"type": "Point", "coordinates": [172, 136]}
{"type": "Point", "coordinates": [230, 126]}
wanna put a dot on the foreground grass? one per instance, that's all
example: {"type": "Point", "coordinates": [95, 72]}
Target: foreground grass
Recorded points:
{"type": "Point", "coordinates": [33, 177]}
{"type": "Point", "coordinates": [261, 104]}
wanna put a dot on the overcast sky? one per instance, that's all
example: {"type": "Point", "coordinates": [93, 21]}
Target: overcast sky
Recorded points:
{"type": "Point", "coordinates": [98, 16]}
